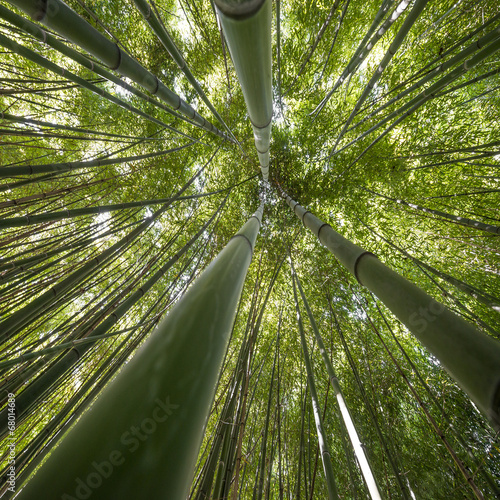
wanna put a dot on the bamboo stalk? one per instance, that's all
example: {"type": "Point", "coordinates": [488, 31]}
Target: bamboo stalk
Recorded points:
{"type": "Point", "coordinates": [471, 357]}
{"type": "Point", "coordinates": [322, 441]}
{"type": "Point", "coordinates": [162, 33]}
{"type": "Point", "coordinates": [344, 411]}
{"type": "Point", "coordinates": [55, 43]}
{"type": "Point", "coordinates": [45, 63]}
{"type": "Point", "coordinates": [247, 27]}
{"type": "Point", "coordinates": [151, 391]}
{"type": "Point", "coordinates": [56, 15]}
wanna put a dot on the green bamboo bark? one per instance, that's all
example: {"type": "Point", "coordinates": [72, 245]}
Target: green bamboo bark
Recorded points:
{"type": "Point", "coordinates": [149, 448]}
{"type": "Point", "coordinates": [322, 441]}
{"type": "Point", "coordinates": [344, 411]}
{"type": "Point", "coordinates": [471, 357]}
{"type": "Point", "coordinates": [45, 63]}
{"type": "Point", "coordinates": [263, 449]}
{"type": "Point", "coordinates": [55, 43]}
{"type": "Point", "coordinates": [247, 27]}
{"type": "Point", "coordinates": [56, 15]}
{"type": "Point", "coordinates": [161, 32]}
{"type": "Point", "coordinates": [223, 428]}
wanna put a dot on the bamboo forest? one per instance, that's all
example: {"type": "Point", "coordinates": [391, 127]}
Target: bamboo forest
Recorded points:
{"type": "Point", "coordinates": [250, 249]}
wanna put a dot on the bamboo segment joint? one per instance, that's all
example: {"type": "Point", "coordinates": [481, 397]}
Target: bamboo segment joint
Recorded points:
{"type": "Point", "coordinates": [321, 227]}
{"type": "Point", "coordinates": [119, 58]}
{"type": "Point", "coordinates": [356, 263]}
{"type": "Point", "coordinates": [244, 237]}
{"type": "Point", "coordinates": [304, 215]}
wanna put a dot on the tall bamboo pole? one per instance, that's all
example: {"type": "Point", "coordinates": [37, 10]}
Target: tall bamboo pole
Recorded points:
{"type": "Point", "coordinates": [344, 411]}
{"type": "Point", "coordinates": [247, 27]}
{"type": "Point", "coordinates": [163, 35]}
{"type": "Point", "coordinates": [322, 441]}
{"type": "Point", "coordinates": [471, 357]}
{"type": "Point", "coordinates": [55, 14]}
{"type": "Point", "coordinates": [148, 448]}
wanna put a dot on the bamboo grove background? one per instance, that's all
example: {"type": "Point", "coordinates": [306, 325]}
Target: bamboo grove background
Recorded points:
{"type": "Point", "coordinates": [112, 203]}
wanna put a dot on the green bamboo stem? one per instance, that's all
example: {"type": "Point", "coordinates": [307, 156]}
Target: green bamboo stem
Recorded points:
{"type": "Point", "coordinates": [424, 96]}
{"type": "Point", "coordinates": [442, 68]}
{"type": "Point", "coordinates": [322, 441]}
{"type": "Point", "coordinates": [222, 463]}
{"type": "Point", "coordinates": [247, 27]}
{"type": "Point", "coordinates": [78, 165]}
{"type": "Point", "coordinates": [161, 32]}
{"type": "Point", "coordinates": [28, 220]}
{"type": "Point", "coordinates": [40, 123]}
{"type": "Point", "coordinates": [344, 411]}
{"type": "Point", "coordinates": [263, 449]}
{"type": "Point", "coordinates": [412, 16]}
{"type": "Point", "coordinates": [471, 357]}
{"type": "Point", "coordinates": [45, 63]}
{"type": "Point", "coordinates": [55, 43]}
{"type": "Point", "coordinates": [56, 15]}
{"type": "Point", "coordinates": [371, 411]}
{"type": "Point", "coordinates": [223, 427]}
{"type": "Point", "coordinates": [300, 453]}
{"type": "Point", "coordinates": [24, 315]}
{"type": "Point", "coordinates": [463, 221]}
{"type": "Point", "coordinates": [187, 343]}
{"type": "Point", "coordinates": [15, 132]}
{"type": "Point", "coordinates": [366, 45]}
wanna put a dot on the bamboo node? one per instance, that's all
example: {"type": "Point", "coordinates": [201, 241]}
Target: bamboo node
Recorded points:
{"type": "Point", "coordinates": [356, 263]}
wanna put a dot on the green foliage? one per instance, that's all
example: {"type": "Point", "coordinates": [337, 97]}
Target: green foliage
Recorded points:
{"type": "Point", "coordinates": [443, 156]}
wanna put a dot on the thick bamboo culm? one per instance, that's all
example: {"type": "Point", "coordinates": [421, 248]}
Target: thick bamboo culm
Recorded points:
{"type": "Point", "coordinates": [247, 27]}
{"type": "Point", "coordinates": [153, 398]}
{"type": "Point", "coordinates": [471, 357]}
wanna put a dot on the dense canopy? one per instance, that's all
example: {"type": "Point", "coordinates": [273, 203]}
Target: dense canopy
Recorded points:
{"type": "Point", "coordinates": [127, 165]}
